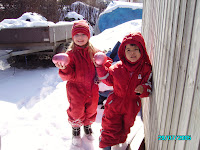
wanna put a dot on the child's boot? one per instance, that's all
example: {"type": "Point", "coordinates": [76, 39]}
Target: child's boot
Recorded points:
{"type": "Point", "coordinates": [76, 138]}
{"type": "Point", "coordinates": [88, 132]}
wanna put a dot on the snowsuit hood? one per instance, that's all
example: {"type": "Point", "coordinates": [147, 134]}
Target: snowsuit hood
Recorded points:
{"type": "Point", "coordinates": [137, 39]}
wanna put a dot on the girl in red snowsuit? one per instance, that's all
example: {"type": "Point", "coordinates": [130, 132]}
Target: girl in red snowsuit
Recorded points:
{"type": "Point", "coordinates": [82, 92]}
{"type": "Point", "coordinates": [131, 81]}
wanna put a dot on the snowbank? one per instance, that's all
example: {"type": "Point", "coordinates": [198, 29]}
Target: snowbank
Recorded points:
{"type": "Point", "coordinates": [29, 19]}
{"type": "Point", "coordinates": [109, 37]}
{"type": "Point", "coordinates": [74, 15]}
{"type": "Point", "coordinates": [117, 13]}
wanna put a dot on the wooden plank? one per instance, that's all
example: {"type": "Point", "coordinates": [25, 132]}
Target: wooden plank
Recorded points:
{"type": "Point", "coordinates": [183, 63]}
{"type": "Point", "coordinates": [146, 104]}
{"type": "Point", "coordinates": [164, 75]}
{"type": "Point", "coordinates": [168, 66]}
{"type": "Point", "coordinates": [153, 22]}
{"type": "Point", "coordinates": [191, 78]}
{"type": "Point", "coordinates": [171, 89]}
{"type": "Point", "coordinates": [139, 136]}
{"type": "Point", "coordinates": [160, 62]}
{"type": "Point", "coordinates": [146, 116]}
{"type": "Point", "coordinates": [162, 68]}
{"type": "Point", "coordinates": [153, 104]}
{"type": "Point", "coordinates": [169, 122]}
{"type": "Point", "coordinates": [135, 130]}
{"type": "Point", "coordinates": [158, 42]}
{"type": "Point", "coordinates": [155, 32]}
{"type": "Point", "coordinates": [193, 128]}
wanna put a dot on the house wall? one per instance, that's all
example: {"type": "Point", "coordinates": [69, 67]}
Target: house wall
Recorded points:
{"type": "Point", "coordinates": [171, 30]}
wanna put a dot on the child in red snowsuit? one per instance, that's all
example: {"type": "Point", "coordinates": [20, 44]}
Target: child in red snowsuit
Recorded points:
{"type": "Point", "coordinates": [131, 80]}
{"type": "Point", "coordinates": [80, 73]}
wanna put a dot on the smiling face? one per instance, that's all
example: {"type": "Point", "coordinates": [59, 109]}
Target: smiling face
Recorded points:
{"type": "Point", "coordinates": [132, 52]}
{"type": "Point", "coordinates": [80, 39]}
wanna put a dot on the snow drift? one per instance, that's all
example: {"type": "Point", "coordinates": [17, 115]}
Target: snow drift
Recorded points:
{"type": "Point", "coordinates": [117, 13]}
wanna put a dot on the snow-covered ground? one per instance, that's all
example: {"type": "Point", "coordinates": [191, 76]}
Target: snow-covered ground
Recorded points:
{"type": "Point", "coordinates": [33, 111]}
{"type": "Point", "coordinates": [33, 104]}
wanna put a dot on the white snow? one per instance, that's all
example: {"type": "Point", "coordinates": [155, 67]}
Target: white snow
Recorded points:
{"type": "Point", "coordinates": [74, 15]}
{"type": "Point", "coordinates": [119, 4]}
{"type": "Point", "coordinates": [90, 13]}
{"type": "Point", "coordinates": [109, 37]}
{"type": "Point", "coordinates": [29, 19]}
{"type": "Point", "coordinates": [33, 103]}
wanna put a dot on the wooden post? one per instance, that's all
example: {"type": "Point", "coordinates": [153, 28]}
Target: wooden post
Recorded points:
{"type": "Point", "coordinates": [171, 30]}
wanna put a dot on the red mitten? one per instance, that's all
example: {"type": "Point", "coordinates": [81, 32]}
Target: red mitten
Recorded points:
{"type": "Point", "coordinates": [100, 58]}
{"type": "Point", "coordinates": [61, 58]}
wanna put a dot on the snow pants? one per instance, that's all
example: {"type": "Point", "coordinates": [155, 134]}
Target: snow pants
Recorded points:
{"type": "Point", "coordinates": [118, 118]}
{"type": "Point", "coordinates": [83, 104]}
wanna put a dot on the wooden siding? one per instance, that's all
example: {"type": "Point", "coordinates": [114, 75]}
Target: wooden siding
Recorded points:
{"type": "Point", "coordinates": [171, 30]}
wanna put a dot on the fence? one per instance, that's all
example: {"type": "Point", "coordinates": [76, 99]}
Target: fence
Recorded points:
{"type": "Point", "coordinates": [171, 30]}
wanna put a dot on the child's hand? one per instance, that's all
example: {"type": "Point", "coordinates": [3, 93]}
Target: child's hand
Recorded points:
{"type": "Point", "coordinates": [61, 59]}
{"type": "Point", "coordinates": [95, 64]}
{"type": "Point", "coordinates": [100, 58]}
{"type": "Point", "coordinates": [60, 66]}
{"type": "Point", "coordinates": [139, 89]}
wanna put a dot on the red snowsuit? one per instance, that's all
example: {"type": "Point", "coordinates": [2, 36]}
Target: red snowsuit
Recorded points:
{"type": "Point", "coordinates": [123, 104]}
{"type": "Point", "coordinates": [82, 92]}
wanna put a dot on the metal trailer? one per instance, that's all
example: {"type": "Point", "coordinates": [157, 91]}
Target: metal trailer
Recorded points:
{"type": "Point", "coordinates": [28, 40]}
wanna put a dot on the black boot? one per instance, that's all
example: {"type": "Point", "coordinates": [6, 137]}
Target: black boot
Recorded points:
{"type": "Point", "coordinates": [88, 130]}
{"type": "Point", "coordinates": [76, 138]}
{"type": "Point", "coordinates": [76, 131]}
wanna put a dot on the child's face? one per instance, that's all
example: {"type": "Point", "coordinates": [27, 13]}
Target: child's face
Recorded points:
{"type": "Point", "coordinates": [132, 52]}
{"type": "Point", "coordinates": [80, 39]}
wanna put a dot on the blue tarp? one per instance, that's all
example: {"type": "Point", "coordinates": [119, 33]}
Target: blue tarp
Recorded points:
{"type": "Point", "coordinates": [114, 53]}
{"type": "Point", "coordinates": [117, 17]}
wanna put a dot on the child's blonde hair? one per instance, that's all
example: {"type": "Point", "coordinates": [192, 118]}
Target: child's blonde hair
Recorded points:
{"type": "Point", "coordinates": [91, 49]}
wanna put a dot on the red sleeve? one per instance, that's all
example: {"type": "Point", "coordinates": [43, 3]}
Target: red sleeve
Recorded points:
{"type": "Point", "coordinates": [104, 74]}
